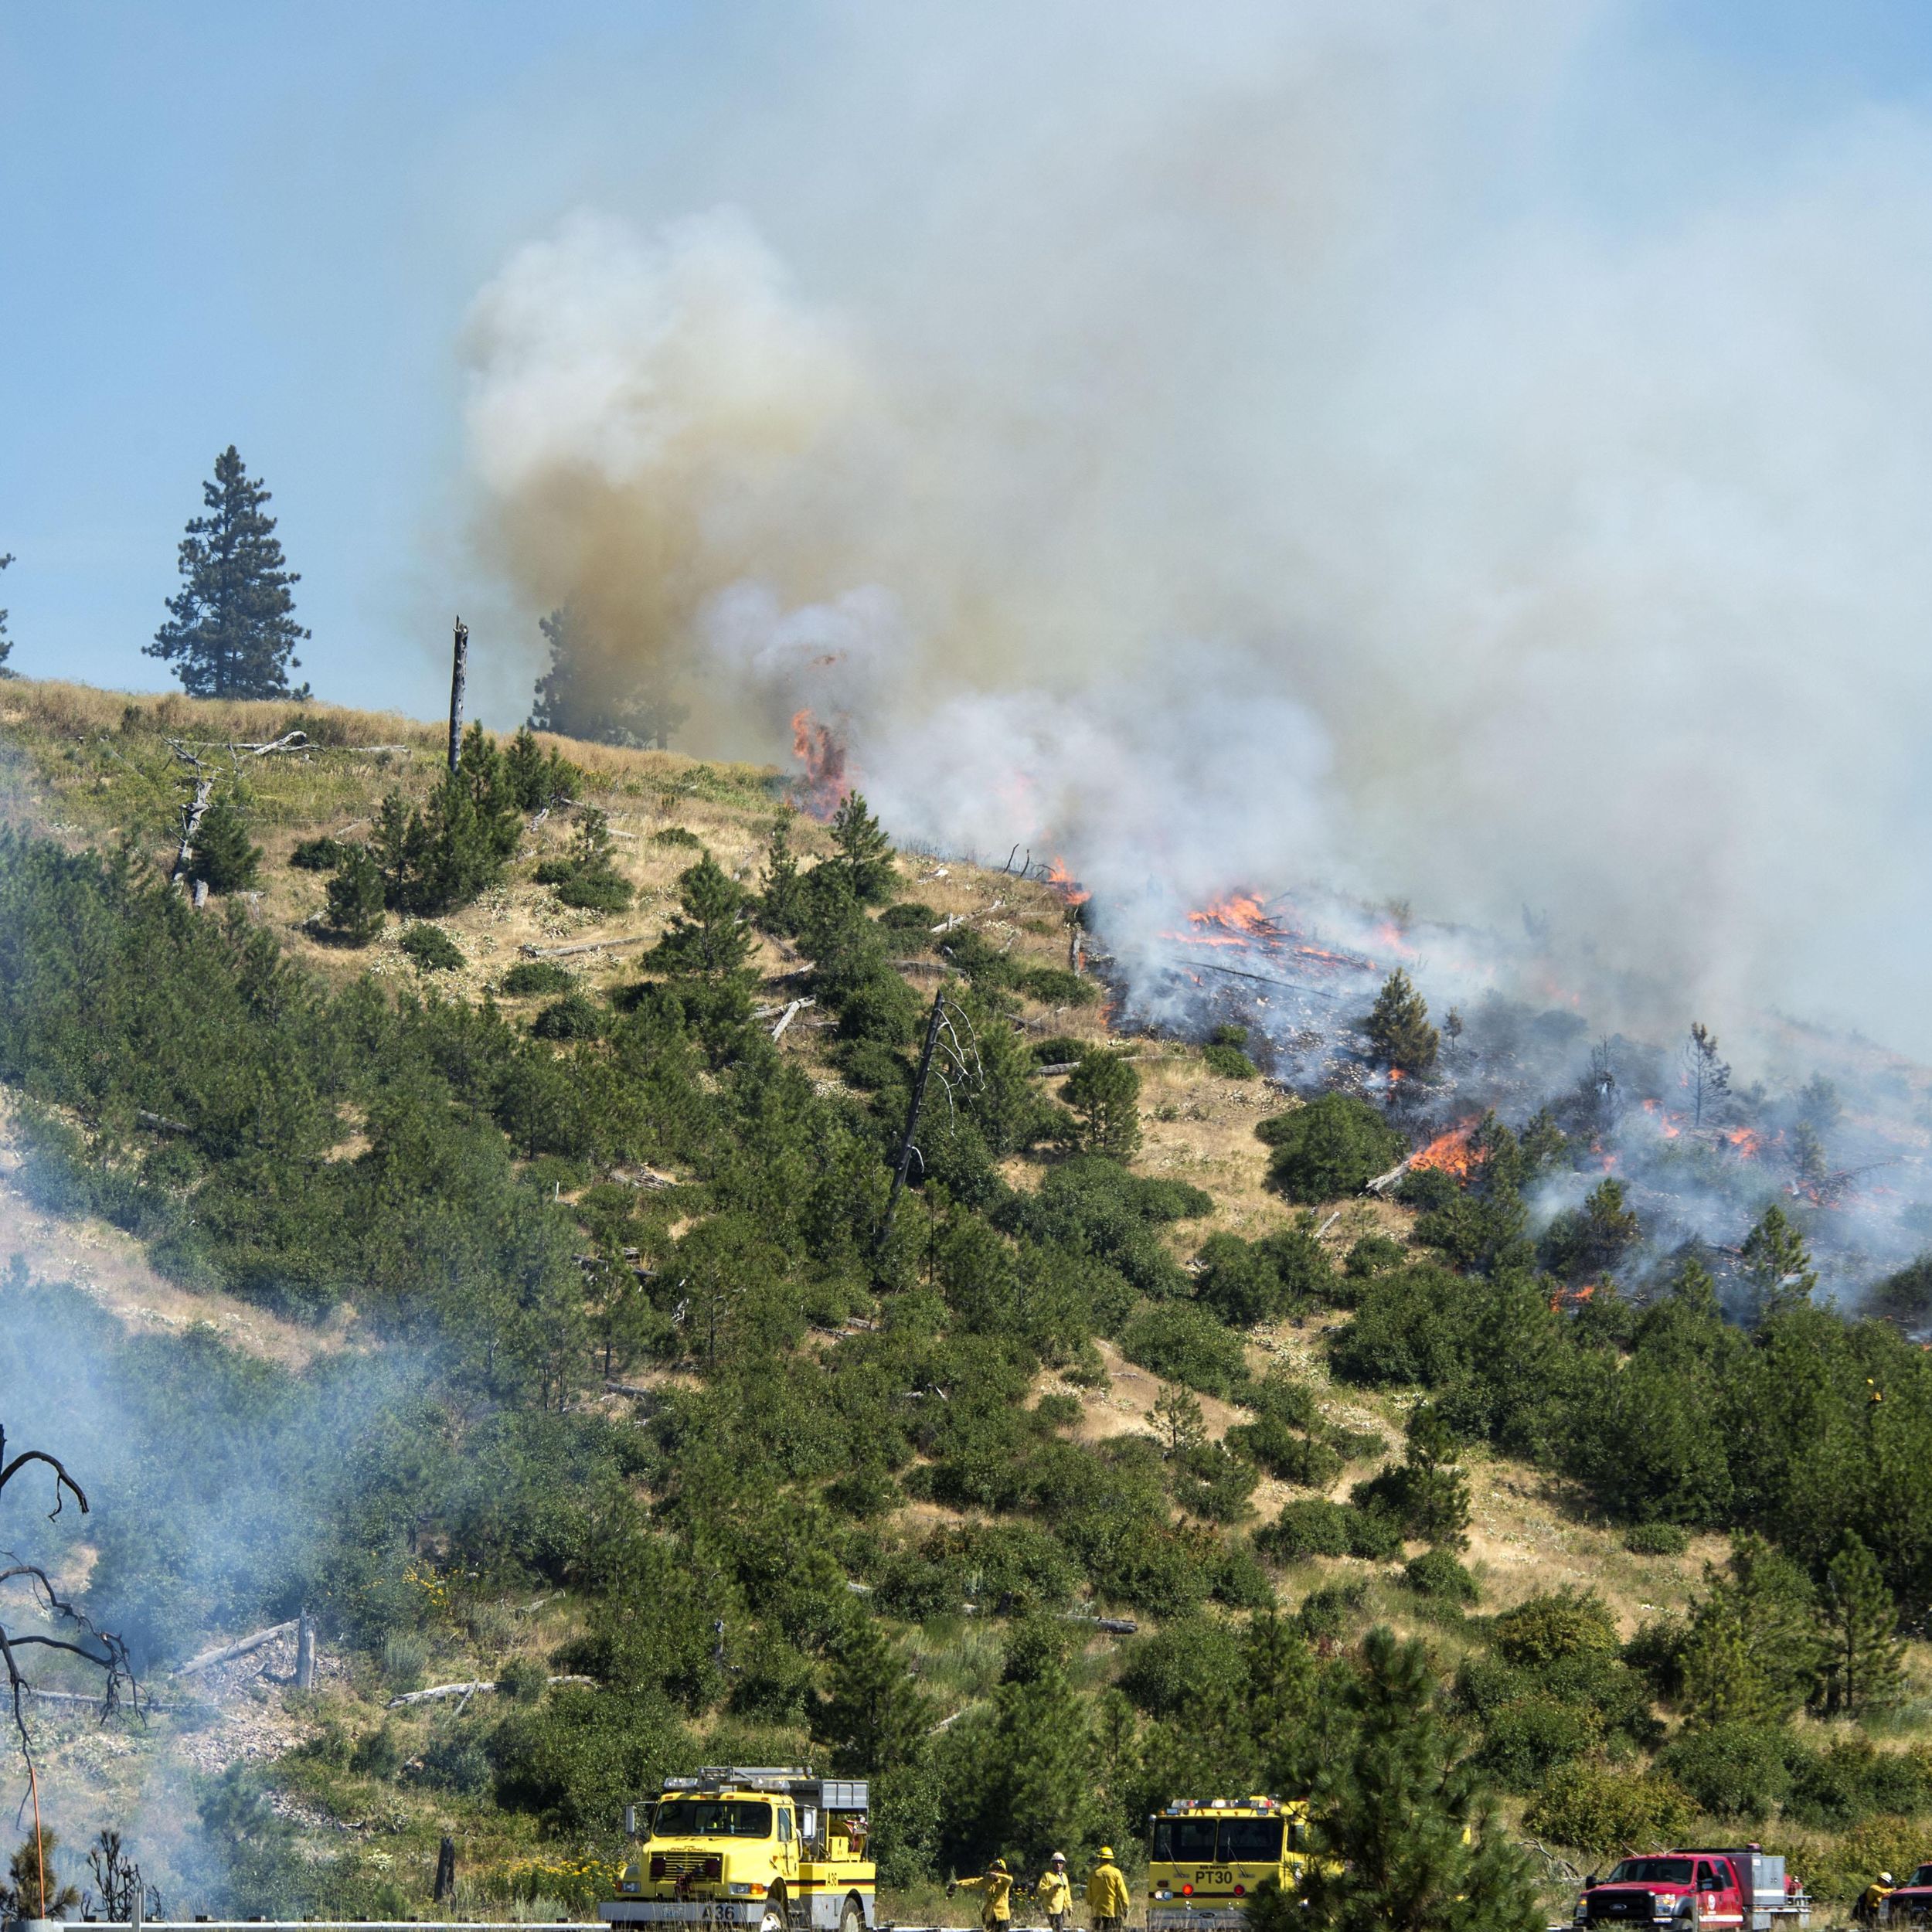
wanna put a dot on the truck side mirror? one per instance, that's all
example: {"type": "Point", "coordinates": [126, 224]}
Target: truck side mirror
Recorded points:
{"type": "Point", "coordinates": [630, 1820]}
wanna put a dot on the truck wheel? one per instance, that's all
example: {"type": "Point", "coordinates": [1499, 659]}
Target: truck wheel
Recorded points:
{"type": "Point", "coordinates": [852, 1919]}
{"type": "Point", "coordinates": [774, 1918]}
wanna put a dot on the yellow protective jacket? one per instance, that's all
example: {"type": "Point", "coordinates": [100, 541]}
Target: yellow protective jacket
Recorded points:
{"type": "Point", "coordinates": [997, 1909]}
{"type": "Point", "coordinates": [1107, 1892]}
{"type": "Point", "coordinates": [1054, 1893]}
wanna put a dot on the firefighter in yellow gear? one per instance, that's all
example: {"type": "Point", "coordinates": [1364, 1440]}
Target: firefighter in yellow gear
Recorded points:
{"type": "Point", "coordinates": [1055, 1894]}
{"type": "Point", "coordinates": [1866, 1911]}
{"type": "Point", "coordinates": [1106, 1896]}
{"type": "Point", "coordinates": [997, 1883]}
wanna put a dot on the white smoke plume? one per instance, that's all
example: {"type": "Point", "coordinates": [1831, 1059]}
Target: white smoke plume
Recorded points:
{"type": "Point", "coordinates": [1245, 446]}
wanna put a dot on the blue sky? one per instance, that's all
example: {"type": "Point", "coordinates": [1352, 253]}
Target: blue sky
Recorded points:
{"type": "Point", "coordinates": [264, 223]}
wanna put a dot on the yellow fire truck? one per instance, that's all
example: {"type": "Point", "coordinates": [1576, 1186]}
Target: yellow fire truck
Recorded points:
{"type": "Point", "coordinates": [1206, 1859]}
{"type": "Point", "coordinates": [775, 1848]}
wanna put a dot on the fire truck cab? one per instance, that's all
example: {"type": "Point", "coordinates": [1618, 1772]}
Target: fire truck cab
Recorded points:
{"type": "Point", "coordinates": [776, 1848]}
{"type": "Point", "coordinates": [1684, 1889]}
{"type": "Point", "coordinates": [1205, 1858]}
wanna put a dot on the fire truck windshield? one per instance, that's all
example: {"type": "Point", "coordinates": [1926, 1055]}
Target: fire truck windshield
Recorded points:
{"type": "Point", "coordinates": [1196, 1839]}
{"type": "Point", "coordinates": [1651, 1872]}
{"type": "Point", "coordinates": [711, 1817]}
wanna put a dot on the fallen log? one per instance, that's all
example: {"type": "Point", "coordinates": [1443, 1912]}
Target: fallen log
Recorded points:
{"type": "Point", "coordinates": [227, 1653]}
{"type": "Point", "coordinates": [161, 1123]}
{"type": "Point", "coordinates": [1382, 1182]}
{"type": "Point", "coordinates": [82, 1697]}
{"type": "Point", "coordinates": [585, 946]}
{"type": "Point", "coordinates": [475, 1687]}
{"type": "Point", "coordinates": [790, 1013]}
{"type": "Point", "coordinates": [1059, 1066]}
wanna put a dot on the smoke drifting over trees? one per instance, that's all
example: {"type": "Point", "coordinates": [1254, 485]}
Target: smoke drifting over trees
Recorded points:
{"type": "Point", "coordinates": [1262, 449]}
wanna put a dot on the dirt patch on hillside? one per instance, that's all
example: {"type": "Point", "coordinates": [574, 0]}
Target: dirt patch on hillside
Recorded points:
{"type": "Point", "coordinates": [110, 1267]}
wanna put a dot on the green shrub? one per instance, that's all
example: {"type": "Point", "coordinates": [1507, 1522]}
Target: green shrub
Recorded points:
{"type": "Point", "coordinates": [1062, 1049]}
{"type": "Point", "coordinates": [1299, 1459]}
{"type": "Point", "coordinates": [1852, 1781]}
{"type": "Point", "coordinates": [1180, 1342]}
{"type": "Point", "coordinates": [455, 1762]}
{"type": "Point", "coordinates": [1325, 1614]}
{"type": "Point", "coordinates": [1732, 1770]}
{"type": "Point", "coordinates": [1656, 1539]}
{"type": "Point", "coordinates": [319, 855]}
{"type": "Point", "coordinates": [1374, 1254]}
{"type": "Point", "coordinates": [1605, 1809]}
{"type": "Point", "coordinates": [535, 976]}
{"type": "Point", "coordinates": [1437, 1575]}
{"type": "Point", "coordinates": [1317, 1528]}
{"type": "Point", "coordinates": [1241, 1582]}
{"type": "Point", "coordinates": [432, 949]}
{"type": "Point", "coordinates": [677, 836]}
{"type": "Point", "coordinates": [1560, 1624]}
{"type": "Point", "coordinates": [522, 1680]}
{"type": "Point", "coordinates": [1331, 1147]}
{"type": "Point", "coordinates": [378, 1753]}
{"type": "Point", "coordinates": [1528, 1737]}
{"type": "Point", "coordinates": [1055, 986]}
{"type": "Point", "coordinates": [595, 891]}
{"type": "Point", "coordinates": [1229, 1062]}
{"type": "Point", "coordinates": [573, 1017]}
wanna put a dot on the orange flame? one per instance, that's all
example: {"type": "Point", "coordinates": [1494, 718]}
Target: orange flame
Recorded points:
{"type": "Point", "coordinates": [1749, 1143]}
{"type": "Point", "coordinates": [1236, 920]}
{"type": "Point", "coordinates": [819, 749]}
{"type": "Point", "coordinates": [1452, 1152]}
{"type": "Point", "coordinates": [1571, 1298]}
{"type": "Point", "coordinates": [1071, 892]}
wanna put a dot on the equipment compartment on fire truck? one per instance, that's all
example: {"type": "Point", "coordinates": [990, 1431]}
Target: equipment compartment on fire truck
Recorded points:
{"type": "Point", "coordinates": [773, 1847]}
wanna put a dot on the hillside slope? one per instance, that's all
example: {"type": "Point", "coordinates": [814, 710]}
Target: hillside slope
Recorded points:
{"type": "Point", "coordinates": [473, 1318]}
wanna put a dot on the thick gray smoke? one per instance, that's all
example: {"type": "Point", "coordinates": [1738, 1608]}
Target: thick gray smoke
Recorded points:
{"type": "Point", "coordinates": [1247, 447]}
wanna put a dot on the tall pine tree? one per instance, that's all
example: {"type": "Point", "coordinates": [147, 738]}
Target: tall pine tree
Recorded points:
{"type": "Point", "coordinates": [1862, 1642]}
{"type": "Point", "coordinates": [876, 1717]}
{"type": "Point", "coordinates": [1399, 1028]}
{"type": "Point", "coordinates": [864, 851]}
{"type": "Point", "coordinates": [1405, 1841]}
{"type": "Point", "coordinates": [231, 630]}
{"type": "Point", "coordinates": [593, 691]}
{"type": "Point", "coordinates": [6, 643]}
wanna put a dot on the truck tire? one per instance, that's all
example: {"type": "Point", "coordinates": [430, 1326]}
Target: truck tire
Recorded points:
{"type": "Point", "coordinates": [775, 1916]}
{"type": "Point", "coordinates": [852, 1918]}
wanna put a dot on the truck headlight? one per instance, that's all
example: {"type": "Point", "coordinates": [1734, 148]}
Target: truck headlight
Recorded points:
{"type": "Point", "coordinates": [740, 1891]}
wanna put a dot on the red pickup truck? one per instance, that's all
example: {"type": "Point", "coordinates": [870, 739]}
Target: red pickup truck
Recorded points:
{"type": "Point", "coordinates": [1696, 1888]}
{"type": "Point", "coordinates": [1911, 1904]}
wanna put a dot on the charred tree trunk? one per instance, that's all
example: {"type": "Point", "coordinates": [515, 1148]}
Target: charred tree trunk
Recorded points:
{"type": "Point", "coordinates": [459, 676]}
{"type": "Point", "coordinates": [445, 1870]}
{"type": "Point", "coordinates": [905, 1156]}
{"type": "Point", "coordinates": [305, 1652]}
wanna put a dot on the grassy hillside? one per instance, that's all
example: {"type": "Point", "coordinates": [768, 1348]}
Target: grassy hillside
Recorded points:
{"type": "Point", "coordinates": [533, 1334]}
